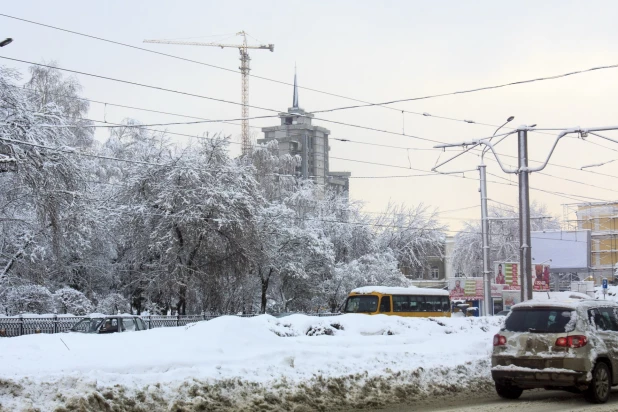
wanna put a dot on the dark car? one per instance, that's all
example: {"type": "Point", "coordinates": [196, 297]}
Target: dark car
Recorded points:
{"type": "Point", "coordinates": [503, 313]}
{"type": "Point", "coordinates": [96, 323]}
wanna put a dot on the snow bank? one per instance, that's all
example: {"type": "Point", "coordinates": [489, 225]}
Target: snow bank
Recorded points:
{"type": "Point", "coordinates": [390, 290]}
{"type": "Point", "coordinates": [233, 363]}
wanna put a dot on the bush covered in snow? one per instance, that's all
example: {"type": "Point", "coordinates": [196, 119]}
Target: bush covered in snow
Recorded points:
{"type": "Point", "coordinates": [29, 299]}
{"type": "Point", "coordinates": [69, 300]}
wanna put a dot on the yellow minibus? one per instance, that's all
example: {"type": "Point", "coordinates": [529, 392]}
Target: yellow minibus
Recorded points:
{"type": "Point", "coordinates": [398, 301]}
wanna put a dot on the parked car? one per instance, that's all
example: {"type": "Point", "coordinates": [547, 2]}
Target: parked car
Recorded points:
{"type": "Point", "coordinates": [569, 344]}
{"type": "Point", "coordinates": [503, 313]}
{"type": "Point", "coordinates": [98, 323]}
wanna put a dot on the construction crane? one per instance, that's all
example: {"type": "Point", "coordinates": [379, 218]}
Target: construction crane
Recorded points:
{"type": "Point", "coordinates": [244, 71]}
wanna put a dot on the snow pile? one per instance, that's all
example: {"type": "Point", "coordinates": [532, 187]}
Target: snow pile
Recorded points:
{"type": "Point", "coordinates": [265, 363]}
{"type": "Point", "coordinates": [612, 293]}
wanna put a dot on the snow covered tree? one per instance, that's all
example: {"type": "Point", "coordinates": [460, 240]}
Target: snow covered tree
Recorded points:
{"type": "Point", "coordinates": [275, 173]}
{"type": "Point", "coordinates": [112, 304]}
{"type": "Point", "coordinates": [287, 253]}
{"type": "Point", "coordinates": [412, 234]}
{"type": "Point", "coordinates": [41, 197]}
{"type": "Point", "coordinates": [49, 87]}
{"type": "Point", "coordinates": [69, 300]}
{"type": "Point", "coordinates": [373, 269]}
{"type": "Point", "coordinates": [29, 299]}
{"type": "Point", "coordinates": [467, 258]}
{"type": "Point", "coordinates": [188, 223]}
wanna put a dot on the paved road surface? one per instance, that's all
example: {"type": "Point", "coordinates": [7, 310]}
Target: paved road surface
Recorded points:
{"type": "Point", "coordinates": [530, 401]}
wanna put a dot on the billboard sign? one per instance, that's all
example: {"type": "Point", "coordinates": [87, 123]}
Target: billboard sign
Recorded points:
{"type": "Point", "coordinates": [466, 288]}
{"type": "Point", "coordinates": [510, 298]}
{"type": "Point", "coordinates": [568, 250]}
{"type": "Point", "coordinates": [507, 275]}
{"type": "Point", "coordinates": [541, 279]}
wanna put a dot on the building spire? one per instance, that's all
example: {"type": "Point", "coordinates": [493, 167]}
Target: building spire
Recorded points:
{"type": "Point", "coordinates": [295, 98]}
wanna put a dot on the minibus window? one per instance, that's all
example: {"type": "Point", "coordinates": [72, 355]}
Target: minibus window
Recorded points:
{"type": "Point", "coordinates": [357, 304]}
{"type": "Point", "coordinates": [385, 304]}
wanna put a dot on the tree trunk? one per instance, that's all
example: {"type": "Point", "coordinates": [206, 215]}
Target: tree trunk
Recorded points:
{"type": "Point", "coordinates": [264, 281]}
{"type": "Point", "coordinates": [181, 307]}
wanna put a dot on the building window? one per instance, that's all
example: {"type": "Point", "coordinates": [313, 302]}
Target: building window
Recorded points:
{"type": "Point", "coordinates": [288, 120]}
{"type": "Point", "coordinates": [435, 273]}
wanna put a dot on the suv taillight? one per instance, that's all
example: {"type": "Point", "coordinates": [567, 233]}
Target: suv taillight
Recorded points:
{"type": "Point", "coordinates": [576, 341]}
{"type": "Point", "coordinates": [499, 340]}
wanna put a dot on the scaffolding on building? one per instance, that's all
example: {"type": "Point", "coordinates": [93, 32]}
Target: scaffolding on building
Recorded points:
{"type": "Point", "coordinates": [601, 218]}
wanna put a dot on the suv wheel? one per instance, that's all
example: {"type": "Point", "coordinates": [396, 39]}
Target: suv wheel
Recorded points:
{"type": "Point", "coordinates": [508, 391]}
{"type": "Point", "coordinates": [599, 389]}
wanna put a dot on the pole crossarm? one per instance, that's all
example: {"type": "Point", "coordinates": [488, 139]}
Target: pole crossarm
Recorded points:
{"type": "Point", "coordinates": [469, 145]}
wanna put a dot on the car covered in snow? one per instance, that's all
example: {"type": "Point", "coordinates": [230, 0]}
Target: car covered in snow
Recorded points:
{"type": "Point", "coordinates": [99, 323]}
{"type": "Point", "coordinates": [567, 343]}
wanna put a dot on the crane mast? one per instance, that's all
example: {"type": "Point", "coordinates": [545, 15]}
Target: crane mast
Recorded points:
{"type": "Point", "coordinates": [245, 67]}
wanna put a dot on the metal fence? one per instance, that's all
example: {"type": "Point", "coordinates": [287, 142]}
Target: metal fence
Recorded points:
{"type": "Point", "coordinates": [25, 325]}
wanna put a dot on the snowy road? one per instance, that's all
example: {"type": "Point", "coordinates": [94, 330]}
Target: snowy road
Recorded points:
{"type": "Point", "coordinates": [531, 401]}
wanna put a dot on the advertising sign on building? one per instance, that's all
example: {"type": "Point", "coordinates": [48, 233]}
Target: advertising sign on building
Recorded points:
{"type": "Point", "coordinates": [507, 274]}
{"type": "Point", "coordinates": [466, 288]}
{"type": "Point", "coordinates": [510, 298]}
{"type": "Point", "coordinates": [541, 279]}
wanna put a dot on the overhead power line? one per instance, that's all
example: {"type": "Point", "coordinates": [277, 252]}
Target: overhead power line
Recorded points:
{"type": "Point", "coordinates": [561, 194]}
{"type": "Point", "coordinates": [366, 103]}
{"type": "Point", "coordinates": [357, 161]}
{"type": "Point", "coordinates": [478, 89]}
{"type": "Point", "coordinates": [225, 101]}
{"type": "Point", "coordinates": [345, 140]}
{"type": "Point", "coordinates": [98, 76]}
{"type": "Point", "coordinates": [215, 99]}
{"type": "Point", "coordinates": [78, 153]}
{"type": "Point", "coordinates": [230, 70]}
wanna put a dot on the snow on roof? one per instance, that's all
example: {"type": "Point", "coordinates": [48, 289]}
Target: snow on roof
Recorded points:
{"type": "Point", "coordinates": [101, 315]}
{"type": "Point", "coordinates": [568, 300]}
{"type": "Point", "coordinates": [389, 290]}
{"type": "Point", "coordinates": [547, 303]}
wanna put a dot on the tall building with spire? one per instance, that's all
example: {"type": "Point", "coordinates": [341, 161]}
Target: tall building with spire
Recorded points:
{"type": "Point", "coordinates": [296, 135]}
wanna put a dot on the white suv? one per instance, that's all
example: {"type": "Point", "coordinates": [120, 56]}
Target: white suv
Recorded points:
{"type": "Point", "coordinates": [569, 344]}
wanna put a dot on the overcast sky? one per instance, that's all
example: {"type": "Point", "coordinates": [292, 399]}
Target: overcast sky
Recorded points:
{"type": "Point", "coordinates": [373, 51]}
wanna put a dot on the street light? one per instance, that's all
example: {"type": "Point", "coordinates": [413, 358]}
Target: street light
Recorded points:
{"type": "Point", "coordinates": [6, 42]}
{"type": "Point", "coordinates": [510, 119]}
{"type": "Point", "coordinates": [485, 223]}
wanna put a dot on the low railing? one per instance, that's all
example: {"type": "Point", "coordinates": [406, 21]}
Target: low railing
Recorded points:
{"type": "Point", "coordinates": [27, 325]}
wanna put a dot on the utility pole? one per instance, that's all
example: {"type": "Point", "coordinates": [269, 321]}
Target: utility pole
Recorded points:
{"type": "Point", "coordinates": [525, 257]}
{"type": "Point", "coordinates": [485, 229]}
{"type": "Point", "coordinates": [485, 236]}
{"type": "Point", "coordinates": [523, 171]}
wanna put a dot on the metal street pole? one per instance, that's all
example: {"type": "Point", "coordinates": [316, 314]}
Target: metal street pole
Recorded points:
{"type": "Point", "coordinates": [487, 307]}
{"type": "Point", "coordinates": [525, 257]}
{"type": "Point", "coordinates": [485, 236]}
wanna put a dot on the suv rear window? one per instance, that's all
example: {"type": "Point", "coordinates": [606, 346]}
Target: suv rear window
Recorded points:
{"type": "Point", "coordinates": [552, 320]}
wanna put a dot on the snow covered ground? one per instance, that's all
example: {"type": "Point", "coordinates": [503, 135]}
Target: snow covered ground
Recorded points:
{"type": "Point", "coordinates": [260, 363]}
{"type": "Point", "coordinates": [612, 293]}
